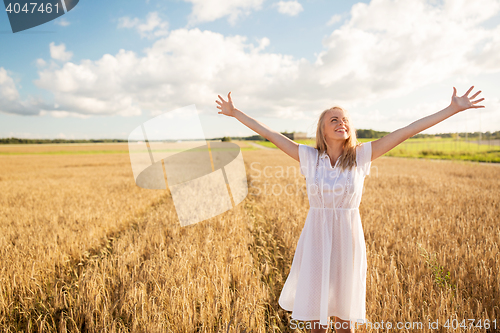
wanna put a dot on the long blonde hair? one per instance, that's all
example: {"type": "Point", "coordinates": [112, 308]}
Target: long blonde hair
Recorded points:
{"type": "Point", "coordinates": [348, 158]}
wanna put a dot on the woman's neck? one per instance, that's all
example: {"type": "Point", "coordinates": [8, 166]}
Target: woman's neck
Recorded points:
{"type": "Point", "coordinates": [334, 150]}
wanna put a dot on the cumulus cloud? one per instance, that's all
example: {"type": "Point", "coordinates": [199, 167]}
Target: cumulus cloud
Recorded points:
{"type": "Point", "coordinates": [384, 50]}
{"type": "Point", "coordinates": [335, 19]}
{"type": "Point", "coordinates": [152, 27]}
{"type": "Point", "coordinates": [40, 63]}
{"type": "Point", "coordinates": [211, 10]}
{"type": "Point", "coordinates": [58, 52]}
{"type": "Point", "coordinates": [391, 47]}
{"type": "Point", "coordinates": [189, 66]}
{"type": "Point", "coordinates": [292, 8]}
{"type": "Point", "coordinates": [8, 92]}
{"type": "Point", "coordinates": [63, 114]}
{"type": "Point", "coordinates": [62, 22]}
{"type": "Point", "coordinates": [10, 99]}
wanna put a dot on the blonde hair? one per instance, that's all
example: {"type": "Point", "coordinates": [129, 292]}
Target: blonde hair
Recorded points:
{"type": "Point", "coordinates": [348, 158]}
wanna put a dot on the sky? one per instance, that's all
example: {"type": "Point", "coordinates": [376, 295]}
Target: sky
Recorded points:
{"type": "Point", "coordinates": [106, 67]}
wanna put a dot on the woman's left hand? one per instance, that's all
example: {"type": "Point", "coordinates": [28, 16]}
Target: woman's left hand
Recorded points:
{"type": "Point", "coordinates": [464, 102]}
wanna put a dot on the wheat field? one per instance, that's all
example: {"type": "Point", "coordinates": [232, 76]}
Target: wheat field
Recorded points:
{"type": "Point", "coordinates": [83, 249]}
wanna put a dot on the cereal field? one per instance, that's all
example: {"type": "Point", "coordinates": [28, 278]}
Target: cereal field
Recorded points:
{"type": "Point", "coordinates": [83, 249]}
{"type": "Point", "coordinates": [440, 148]}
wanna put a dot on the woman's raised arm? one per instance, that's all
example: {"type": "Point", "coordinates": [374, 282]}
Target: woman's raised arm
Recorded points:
{"type": "Point", "coordinates": [282, 142]}
{"type": "Point", "coordinates": [391, 140]}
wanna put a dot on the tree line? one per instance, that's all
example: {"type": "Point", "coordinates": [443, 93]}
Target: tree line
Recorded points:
{"type": "Point", "coordinates": [360, 133]}
{"type": "Point", "coordinates": [45, 141]}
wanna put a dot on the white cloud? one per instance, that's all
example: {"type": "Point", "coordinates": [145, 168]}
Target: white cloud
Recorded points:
{"type": "Point", "coordinates": [20, 135]}
{"type": "Point", "coordinates": [10, 99]}
{"type": "Point", "coordinates": [152, 27]}
{"type": "Point", "coordinates": [335, 19]}
{"type": "Point", "coordinates": [189, 66]}
{"type": "Point", "coordinates": [292, 8]}
{"type": "Point", "coordinates": [211, 10]}
{"type": "Point", "coordinates": [391, 47]}
{"type": "Point", "coordinates": [58, 52]}
{"type": "Point", "coordinates": [8, 90]}
{"type": "Point", "coordinates": [263, 43]}
{"type": "Point", "coordinates": [62, 22]}
{"type": "Point", "coordinates": [127, 22]}
{"type": "Point", "coordinates": [40, 62]}
{"type": "Point", "coordinates": [63, 114]}
{"type": "Point", "coordinates": [385, 50]}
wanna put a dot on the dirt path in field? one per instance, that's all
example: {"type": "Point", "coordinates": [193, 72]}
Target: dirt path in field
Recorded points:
{"type": "Point", "coordinates": [259, 146]}
{"type": "Point", "coordinates": [487, 142]}
{"type": "Point", "coordinates": [445, 160]}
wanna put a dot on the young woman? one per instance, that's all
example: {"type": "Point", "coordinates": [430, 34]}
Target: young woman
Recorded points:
{"type": "Point", "coordinates": [328, 273]}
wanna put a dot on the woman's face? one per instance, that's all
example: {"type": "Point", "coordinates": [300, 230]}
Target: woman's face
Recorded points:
{"type": "Point", "coordinates": [336, 125]}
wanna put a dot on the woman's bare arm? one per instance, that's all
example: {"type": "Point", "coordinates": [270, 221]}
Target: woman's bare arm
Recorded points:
{"type": "Point", "coordinates": [391, 140]}
{"type": "Point", "coordinates": [282, 142]}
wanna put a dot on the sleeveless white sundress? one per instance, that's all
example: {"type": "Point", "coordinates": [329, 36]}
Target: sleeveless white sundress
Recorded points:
{"type": "Point", "coordinates": [328, 273]}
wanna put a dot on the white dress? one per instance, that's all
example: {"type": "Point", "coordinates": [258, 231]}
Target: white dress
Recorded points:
{"type": "Point", "coordinates": [328, 273]}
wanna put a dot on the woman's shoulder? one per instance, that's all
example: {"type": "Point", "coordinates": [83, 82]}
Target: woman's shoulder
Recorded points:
{"type": "Point", "coordinates": [307, 147]}
{"type": "Point", "coordinates": [307, 151]}
{"type": "Point", "coordinates": [362, 147]}
{"type": "Point", "coordinates": [363, 156]}
{"type": "Point", "coordinates": [307, 157]}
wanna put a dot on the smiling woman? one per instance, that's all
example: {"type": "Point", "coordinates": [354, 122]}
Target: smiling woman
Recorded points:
{"type": "Point", "coordinates": [334, 126]}
{"type": "Point", "coordinates": [328, 273]}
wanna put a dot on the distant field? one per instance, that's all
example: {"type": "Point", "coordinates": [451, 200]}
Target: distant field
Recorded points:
{"type": "Point", "coordinates": [447, 149]}
{"type": "Point", "coordinates": [415, 148]}
{"type": "Point", "coordinates": [78, 149]}
{"type": "Point", "coordinates": [64, 149]}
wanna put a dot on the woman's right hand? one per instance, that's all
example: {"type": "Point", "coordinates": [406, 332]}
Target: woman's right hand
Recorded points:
{"type": "Point", "coordinates": [226, 108]}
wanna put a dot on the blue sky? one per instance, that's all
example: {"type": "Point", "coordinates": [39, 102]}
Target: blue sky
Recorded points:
{"type": "Point", "coordinates": [105, 67]}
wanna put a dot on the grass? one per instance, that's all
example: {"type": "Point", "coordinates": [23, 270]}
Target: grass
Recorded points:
{"type": "Point", "coordinates": [441, 278]}
{"type": "Point", "coordinates": [67, 152]}
{"type": "Point", "coordinates": [445, 149]}
{"type": "Point", "coordinates": [84, 149]}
